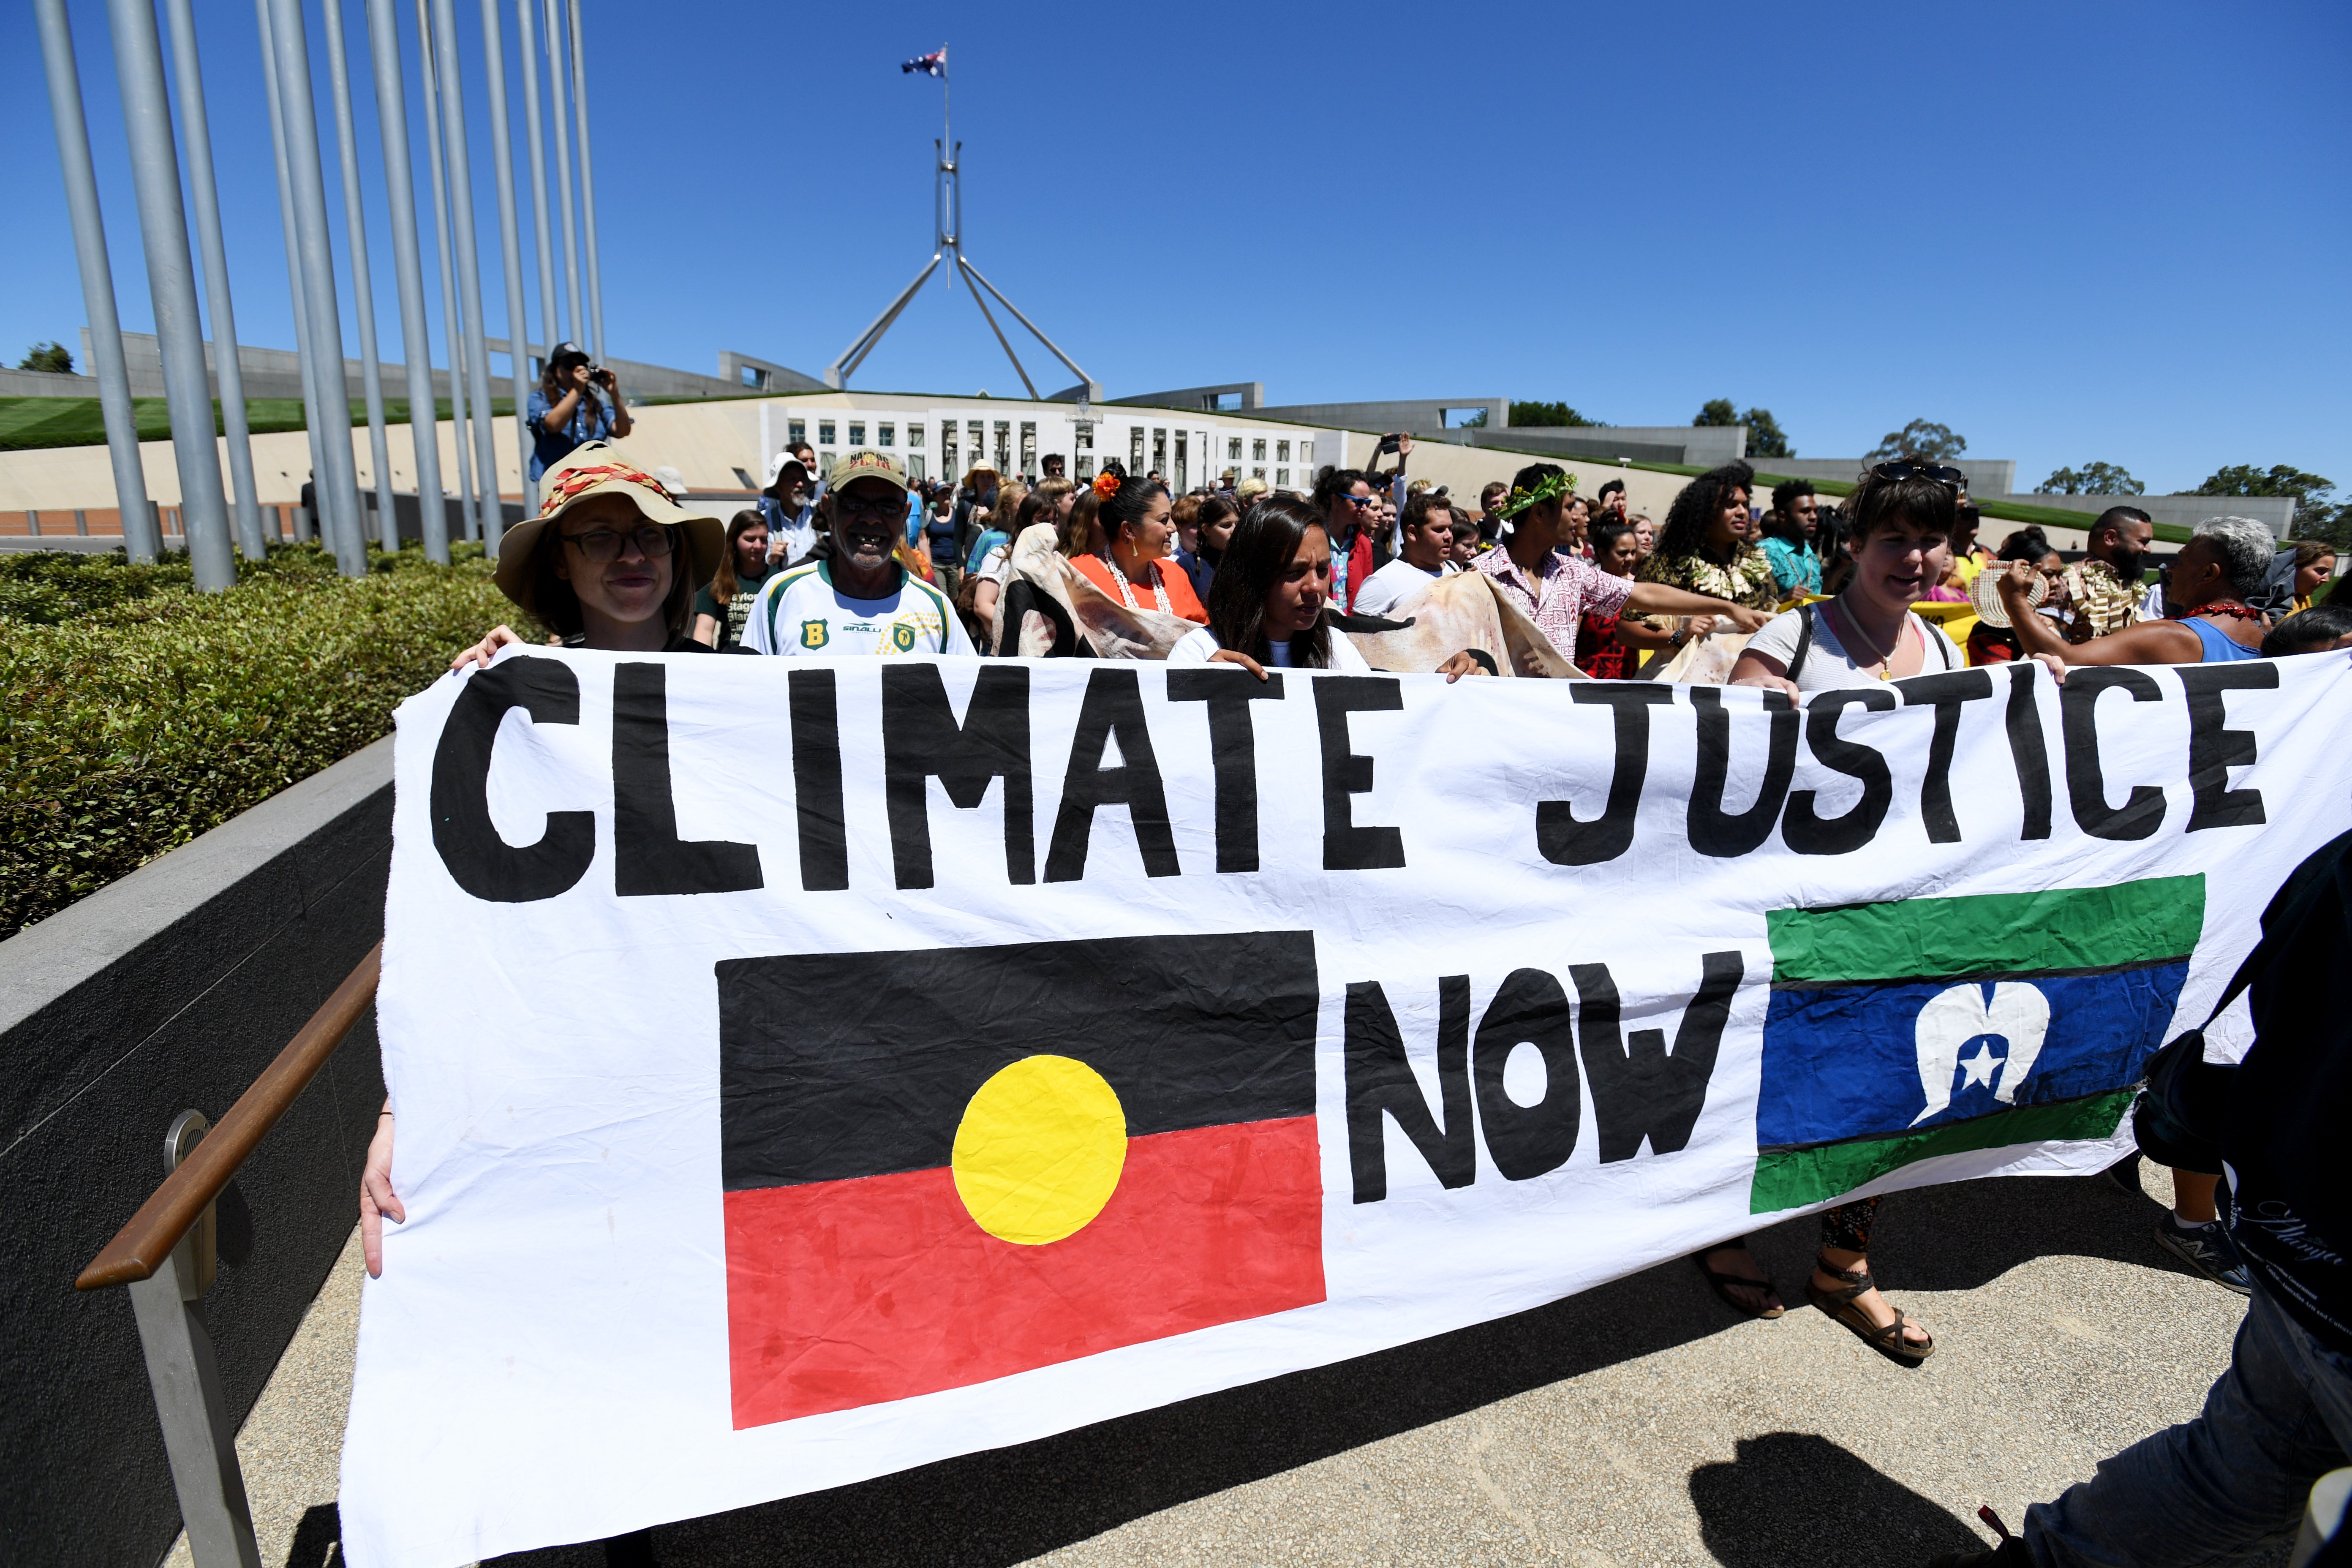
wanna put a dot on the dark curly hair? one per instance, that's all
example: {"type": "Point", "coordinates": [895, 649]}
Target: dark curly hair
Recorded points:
{"type": "Point", "coordinates": [1697, 506]}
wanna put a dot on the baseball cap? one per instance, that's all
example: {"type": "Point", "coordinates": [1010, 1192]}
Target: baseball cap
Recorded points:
{"type": "Point", "coordinates": [566, 352]}
{"type": "Point", "coordinates": [864, 463]}
{"type": "Point", "coordinates": [672, 482]}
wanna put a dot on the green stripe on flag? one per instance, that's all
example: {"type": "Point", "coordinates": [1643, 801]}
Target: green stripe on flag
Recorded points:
{"type": "Point", "coordinates": [1791, 1178]}
{"type": "Point", "coordinates": [1989, 933]}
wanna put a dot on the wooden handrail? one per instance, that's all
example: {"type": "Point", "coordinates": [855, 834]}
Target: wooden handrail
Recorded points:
{"type": "Point", "coordinates": [141, 1247]}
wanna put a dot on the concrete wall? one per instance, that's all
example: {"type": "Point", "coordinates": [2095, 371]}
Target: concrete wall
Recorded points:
{"type": "Point", "coordinates": [1575, 441]}
{"type": "Point", "coordinates": [170, 990]}
{"type": "Point", "coordinates": [1252, 395]}
{"type": "Point", "coordinates": [2275, 512]}
{"type": "Point", "coordinates": [1988, 477]}
{"type": "Point", "coordinates": [1417, 416]}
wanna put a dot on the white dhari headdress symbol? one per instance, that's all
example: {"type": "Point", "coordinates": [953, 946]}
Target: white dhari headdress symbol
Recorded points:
{"type": "Point", "coordinates": [2020, 1014]}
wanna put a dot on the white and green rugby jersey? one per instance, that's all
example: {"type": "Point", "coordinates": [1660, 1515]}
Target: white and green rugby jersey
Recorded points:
{"type": "Point", "coordinates": [801, 611]}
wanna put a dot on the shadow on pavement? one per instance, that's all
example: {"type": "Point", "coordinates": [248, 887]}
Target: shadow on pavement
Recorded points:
{"type": "Point", "coordinates": [1792, 1497]}
{"type": "Point", "coordinates": [1010, 1504]}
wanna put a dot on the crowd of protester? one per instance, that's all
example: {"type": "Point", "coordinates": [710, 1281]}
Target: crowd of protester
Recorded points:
{"type": "Point", "coordinates": [1880, 583]}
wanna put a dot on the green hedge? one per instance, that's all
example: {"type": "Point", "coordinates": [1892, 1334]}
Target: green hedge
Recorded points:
{"type": "Point", "coordinates": [141, 713]}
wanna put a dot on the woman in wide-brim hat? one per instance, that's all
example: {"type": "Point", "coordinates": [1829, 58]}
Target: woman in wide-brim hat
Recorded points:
{"type": "Point", "coordinates": [609, 562]}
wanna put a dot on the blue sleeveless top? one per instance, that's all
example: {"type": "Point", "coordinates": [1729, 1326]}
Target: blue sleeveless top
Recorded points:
{"type": "Point", "coordinates": [2218, 648]}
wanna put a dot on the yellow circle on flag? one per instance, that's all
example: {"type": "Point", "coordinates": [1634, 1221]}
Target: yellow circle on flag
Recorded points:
{"type": "Point", "coordinates": [1040, 1150]}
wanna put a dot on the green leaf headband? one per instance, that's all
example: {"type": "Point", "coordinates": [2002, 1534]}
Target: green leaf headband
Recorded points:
{"type": "Point", "coordinates": [1552, 489]}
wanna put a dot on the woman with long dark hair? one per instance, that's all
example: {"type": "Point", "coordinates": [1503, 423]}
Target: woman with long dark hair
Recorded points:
{"type": "Point", "coordinates": [1265, 607]}
{"type": "Point", "coordinates": [1213, 526]}
{"type": "Point", "coordinates": [1137, 566]}
{"type": "Point", "coordinates": [720, 610]}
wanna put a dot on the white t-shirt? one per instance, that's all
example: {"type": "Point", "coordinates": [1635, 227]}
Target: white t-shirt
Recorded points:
{"type": "Point", "coordinates": [1200, 646]}
{"type": "Point", "coordinates": [799, 611]}
{"type": "Point", "coordinates": [996, 567]}
{"type": "Point", "coordinates": [1396, 583]}
{"type": "Point", "coordinates": [1828, 666]}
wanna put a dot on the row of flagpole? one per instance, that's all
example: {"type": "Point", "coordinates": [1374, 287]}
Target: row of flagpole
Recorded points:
{"type": "Point", "coordinates": [217, 526]}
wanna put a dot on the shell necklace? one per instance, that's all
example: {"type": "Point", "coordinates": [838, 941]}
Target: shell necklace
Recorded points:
{"type": "Point", "coordinates": [1127, 592]}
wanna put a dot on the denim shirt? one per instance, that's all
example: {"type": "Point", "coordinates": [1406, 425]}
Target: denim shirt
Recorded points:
{"type": "Point", "coordinates": [590, 421]}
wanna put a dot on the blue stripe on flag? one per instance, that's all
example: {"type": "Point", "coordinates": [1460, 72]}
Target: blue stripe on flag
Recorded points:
{"type": "Point", "coordinates": [1858, 1062]}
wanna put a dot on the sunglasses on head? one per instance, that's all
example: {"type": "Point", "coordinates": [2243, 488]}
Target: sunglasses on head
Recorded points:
{"type": "Point", "coordinates": [1935, 472]}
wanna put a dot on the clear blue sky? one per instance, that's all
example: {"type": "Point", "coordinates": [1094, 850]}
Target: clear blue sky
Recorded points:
{"type": "Point", "coordinates": [2112, 232]}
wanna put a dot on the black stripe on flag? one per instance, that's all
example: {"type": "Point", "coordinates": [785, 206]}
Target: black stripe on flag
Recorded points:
{"type": "Point", "coordinates": [835, 1066]}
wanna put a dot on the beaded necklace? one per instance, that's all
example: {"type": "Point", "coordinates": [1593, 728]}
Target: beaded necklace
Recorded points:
{"type": "Point", "coordinates": [1127, 593]}
{"type": "Point", "coordinates": [2234, 608]}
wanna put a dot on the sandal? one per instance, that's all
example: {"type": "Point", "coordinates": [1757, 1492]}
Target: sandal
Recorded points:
{"type": "Point", "coordinates": [1723, 1284]}
{"type": "Point", "coordinates": [1889, 1339]}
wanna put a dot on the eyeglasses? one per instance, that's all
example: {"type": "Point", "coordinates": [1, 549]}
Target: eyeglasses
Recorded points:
{"type": "Point", "coordinates": [603, 545]}
{"type": "Point", "coordinates": [1935, 472]}
{"type": "Point", "coordinates": [883, 507]}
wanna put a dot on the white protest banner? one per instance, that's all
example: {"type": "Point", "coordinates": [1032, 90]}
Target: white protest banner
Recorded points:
{"type": "Point", "coordinates": [807, 1068]}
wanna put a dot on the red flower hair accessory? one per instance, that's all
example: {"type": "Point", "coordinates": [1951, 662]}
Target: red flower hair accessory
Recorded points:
{"type": "Point", "coordinates": [1105, 485]}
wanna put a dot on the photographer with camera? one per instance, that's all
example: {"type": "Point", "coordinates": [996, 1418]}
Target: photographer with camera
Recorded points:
{"type": "Point", "coordinates": [565, 409]}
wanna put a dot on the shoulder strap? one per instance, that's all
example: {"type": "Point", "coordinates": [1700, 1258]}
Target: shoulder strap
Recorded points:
{"type": "Point", "coordinates": [1804, 639]}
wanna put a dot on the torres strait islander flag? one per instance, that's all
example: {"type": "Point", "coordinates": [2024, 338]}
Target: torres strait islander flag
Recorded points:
{"type": "Point", "coordinates": [1900, 1031]}
{"type": "Point", "coordinates": [943, 1167]}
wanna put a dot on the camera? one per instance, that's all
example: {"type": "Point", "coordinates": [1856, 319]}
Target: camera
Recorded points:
{"type": "Point", "coordinates": [1388, 444]}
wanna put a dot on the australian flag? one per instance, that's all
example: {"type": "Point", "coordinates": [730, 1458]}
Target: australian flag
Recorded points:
{"type": "Point", "coordinates": [933, 64]}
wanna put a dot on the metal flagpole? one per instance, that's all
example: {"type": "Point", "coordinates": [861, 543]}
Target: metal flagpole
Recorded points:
{"type": "Point", "coordinates": [556, 101]}
{"type": "Point", "coordinates": [494, 56]}
{"type": "Point", "coordinates": [587, 187]}
{"type": "Point", "coordinates": [363, 295]}
{"type": "Point", "coordinates": [415, 329]}
{"type": "Point", "coordinates": [538, 135]}
{"type": "Point", "coordinates": [339, 486]}
{"type": "Point", "coordinates": [172, 284]}
{"type": "Point", "coordinates": [138, 539]}
{"type": "Point", "coordinates": [197, 125]}
{"type": "Point", "coordinates": [458, 162]}
{"type": "Point", "coordinates": [452, 317]}
{"type": "Point", "coordinates": [314, 406]}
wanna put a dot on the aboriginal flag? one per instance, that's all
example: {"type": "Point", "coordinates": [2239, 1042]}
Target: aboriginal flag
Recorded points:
{"type": "Point", "coordinates": [943, 1167]}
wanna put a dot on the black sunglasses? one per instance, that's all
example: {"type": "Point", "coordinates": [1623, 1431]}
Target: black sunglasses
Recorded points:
{"type": "Point", "coordinates": [1935, 472]}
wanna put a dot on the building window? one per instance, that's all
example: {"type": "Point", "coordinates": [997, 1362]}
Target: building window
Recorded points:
{"type": "Point", "coordinates": [914, 461]}
{"type": "Point", "coordinates": [1257, 454]}
{"type": "Point", "coordinates": [1307, 453]}
{"type": "Point", "coordinates": [1004, 445]}
{"type": "Point", "coordinates": [914, 434]}
{"type": "Point", "coordinates": [1282, 477]}
{"type": "Point", "coordinates": [1232, 448]}
{"type": "Point", "coordinates": [1084, 440]}
{"type": "Point", "coordinates": [825, 433]}
{"type": "Point", "coordinates": [1029, 451]}
{"type": "Point", "coordinates": [798, 431]}
{"type": "Point", "coordinates": [1257, 473]}
{"type": "Point", "coordinates": [1282, 451]}
{"type": "Point", "coordinates": [978, 443]}
{"type": "Point", "coordinates": [857, 434]}
{"type": "Point", "coordinates": [824, 461]}
{"type": "Point", "coordinates": [1182, 481]}
{"type": "Point", "coordinates": [1135, 450]}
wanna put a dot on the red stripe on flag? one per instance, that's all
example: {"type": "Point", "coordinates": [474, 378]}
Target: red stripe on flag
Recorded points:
{"type": "Point", "coordinates": [848, 1293]}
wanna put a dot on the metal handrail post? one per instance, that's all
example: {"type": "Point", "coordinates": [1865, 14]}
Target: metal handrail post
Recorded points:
{"type": "Point", "coordinates": [97, 278]}
{"type": "Point", "coordinates": [204, 190]}
{"type": "Point", "coordinates": [172, 285]}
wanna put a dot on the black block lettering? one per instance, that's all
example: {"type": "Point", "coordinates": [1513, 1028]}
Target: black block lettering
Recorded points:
{"type": "Point", "coordinates": [1803, 829]}
{"type": "Point", "coordinates": [1527, 1141]}
{"type": "Point", "coordinates": [1945, 692]}
{"type": "Point", "coordinates": [1563, 840]}
{"type": "Point", "coordinates": [922, 739]}
{"type": "Point", "coordinates": [2214, 749]}
{"type": "Point", "coordinates": [816, 781]}
{"type": "Point", "coordinates": [1346, 847]}
{"type": "Point", "coordinates": [1113, 707]}
{"type": "Point", "coordinates": [1713, 831]}
{"type": "Point", "coordinates": [2142, 812]}
{"type": "Point", "coordinates": [478, 860]}
{"type": "Point", "coordinates": [1638, 1090]}
{"type": "Point", "coordinates": [1381, 1081]}
{"type": "Point", "coordinates": [2028, 751]}
{"type": "Point", "coordinates": [1233, 752]}
{"type": "Point", "coordinates": [649, 857]}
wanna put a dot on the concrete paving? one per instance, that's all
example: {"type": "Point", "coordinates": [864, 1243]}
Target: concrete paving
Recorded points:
{"type": "Point", "coordinates": [1639, 1423]}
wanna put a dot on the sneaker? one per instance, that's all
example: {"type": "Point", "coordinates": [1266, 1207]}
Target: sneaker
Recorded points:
{"type": "Point", "coordinates": [2205, 1249]}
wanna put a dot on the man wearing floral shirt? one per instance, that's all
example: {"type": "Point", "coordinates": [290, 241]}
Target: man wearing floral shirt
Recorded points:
{"type": "Point", "coordinates": [1555, 590]}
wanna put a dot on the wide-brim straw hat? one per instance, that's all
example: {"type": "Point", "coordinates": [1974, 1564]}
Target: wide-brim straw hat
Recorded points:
{"type": "Point", "coordinates": [592, 468]}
